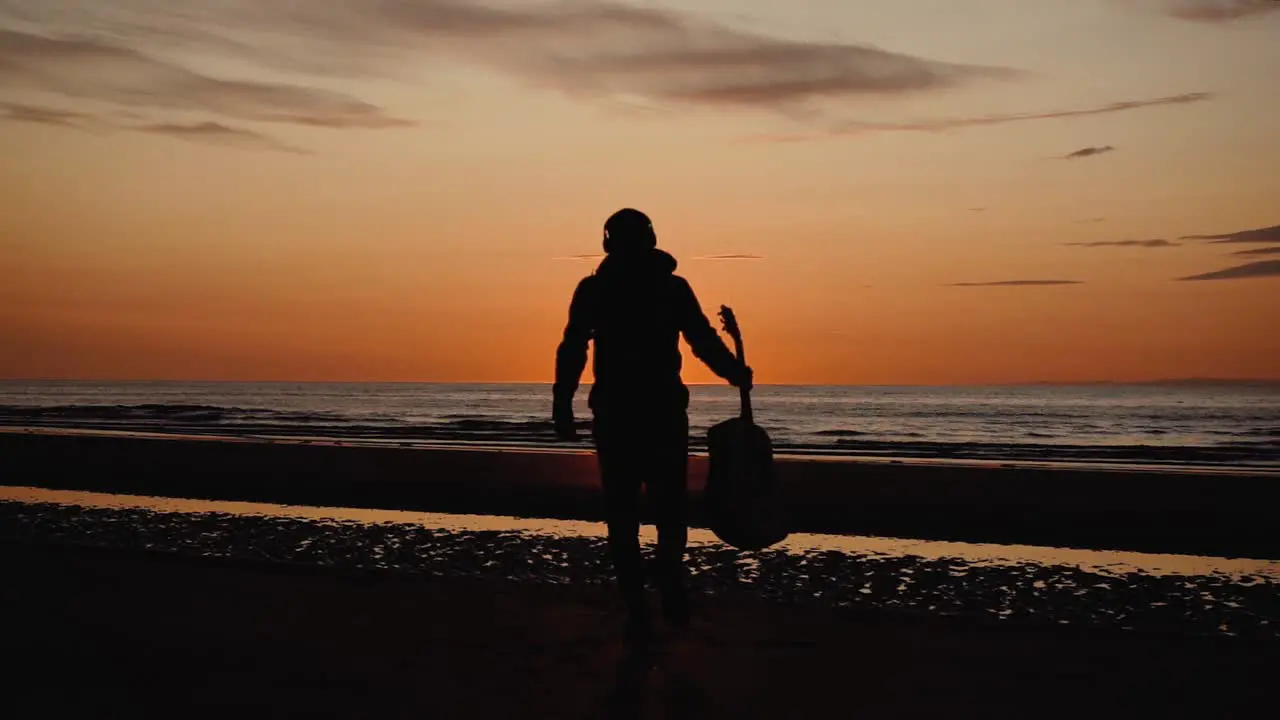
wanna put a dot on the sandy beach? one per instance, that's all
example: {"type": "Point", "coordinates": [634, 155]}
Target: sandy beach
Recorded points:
{"type": "Point", "coordinates": [107, 633]}
{"type": "Point", "coordinates": [130, 609]}
{"type": "Point", "coordinates": [137, 608]}
{"type": "Point", "coordinates": [1223, 514]}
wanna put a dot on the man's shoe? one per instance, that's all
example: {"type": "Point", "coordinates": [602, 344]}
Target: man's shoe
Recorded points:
{"type": "Point", "coordinates": [675, 598]}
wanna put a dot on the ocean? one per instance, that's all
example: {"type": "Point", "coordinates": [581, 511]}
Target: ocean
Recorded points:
{"type": "Point", "coordinates": [1217, 425]}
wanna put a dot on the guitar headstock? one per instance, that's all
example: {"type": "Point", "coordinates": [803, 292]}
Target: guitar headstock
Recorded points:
{"type": "Point", "coordinates": [730, 323]}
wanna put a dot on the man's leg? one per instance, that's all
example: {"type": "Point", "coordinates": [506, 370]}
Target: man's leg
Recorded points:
{"type": "Point", "coordinates": [621, 479]}
{"type": "Point", "coordinates": [667, 484]}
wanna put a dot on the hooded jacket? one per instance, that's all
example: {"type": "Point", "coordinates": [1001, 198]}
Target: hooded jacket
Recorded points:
{"type": "Point", "coordinates": [635, 308]}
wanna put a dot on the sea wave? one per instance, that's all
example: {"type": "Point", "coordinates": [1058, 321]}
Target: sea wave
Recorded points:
{"type": "Point", "coordinates": [1251, 446]}
{"type": "Point", "coordinates": [156, 412]}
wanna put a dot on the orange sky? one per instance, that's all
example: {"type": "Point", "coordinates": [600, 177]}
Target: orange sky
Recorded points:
{"type": "Point", "coordinates": [245, 195]}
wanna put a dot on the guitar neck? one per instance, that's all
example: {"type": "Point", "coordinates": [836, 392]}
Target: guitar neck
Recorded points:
{"type": "Point", "coordinates": [743, 393]}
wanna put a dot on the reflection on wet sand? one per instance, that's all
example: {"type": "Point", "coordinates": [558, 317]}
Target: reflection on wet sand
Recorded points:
{"type": "Point", "coordinates": [1022, 583]}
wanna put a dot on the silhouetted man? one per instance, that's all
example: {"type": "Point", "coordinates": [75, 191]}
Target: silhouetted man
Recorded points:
{"type": "Point", "coordinates": [634, 307]}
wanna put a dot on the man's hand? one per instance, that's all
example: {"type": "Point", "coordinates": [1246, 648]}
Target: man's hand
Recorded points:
{"type": "Point", "coordinates": [562, 418]}
{"type": "Point", "coordinates": [744, 379]}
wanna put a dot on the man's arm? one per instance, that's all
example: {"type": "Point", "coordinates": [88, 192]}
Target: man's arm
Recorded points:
{"type": "Point", "coordinates": [705, 342]}
{"type": "Point", "coordinates": [571, 355]}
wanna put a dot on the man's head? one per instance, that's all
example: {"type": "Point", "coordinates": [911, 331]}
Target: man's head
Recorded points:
{"type": "Point", "coordinates": [629, 230]}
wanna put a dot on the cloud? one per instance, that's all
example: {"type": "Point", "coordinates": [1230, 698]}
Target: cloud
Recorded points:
{"type": "Point", "coordinates": [1017, 283]}
{"type": "Point", "coordinates": [218, 134]}
{"type": "Point", "coordinates": [737, 256]}
{"type": "Point", "coordinates": [944, 124]}
{"type": "Point", "coordinates": [1259, 251]}
{"type": "Point", "coordinates": [1090, 220]}
{"type": "Point", "coordinates": [582, 258]}
{"type": "Point", "coordinates": [87, 68]}
{"type": "Point", "coordinates": [595, 49]}
{"type": "Point", "coordinates": [1127, 243]}
{"type": "Point", "coordinates": [1263, 268]}
{"type": "Point", "coordinates": [209, 132]}
{"type": "Point", "coordinates": [659, 58]}
{"type": "Point", "coordinates": [1258, 235]}
{"type": "Point", "coordinates": [1213, 11]}
{"type": "Point", "coordinates": [1088, 152]}
{"type": "Point", "coordinates": [605, 48]}
{"type": "Point", "coordinates": [977, 209]}
{"type": "Point", "coordinates": [42, 115]}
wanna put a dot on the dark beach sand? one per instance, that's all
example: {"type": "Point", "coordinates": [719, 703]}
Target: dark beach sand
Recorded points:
{"type": "Point", "coordinates": [1024, 585]}
{"type": "Point", "coordinates": [1144, 510]}
{"type": "Point", "coordinates": [105, 633]}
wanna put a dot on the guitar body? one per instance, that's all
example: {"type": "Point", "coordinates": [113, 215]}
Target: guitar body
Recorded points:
{"type": "Point", "coordinates": [741, 501]}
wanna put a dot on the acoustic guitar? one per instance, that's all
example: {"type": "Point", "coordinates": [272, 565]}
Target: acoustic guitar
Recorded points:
{"type": "Point", "coordinates": [742, 501]}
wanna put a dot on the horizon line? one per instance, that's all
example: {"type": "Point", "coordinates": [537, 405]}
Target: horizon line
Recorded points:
{"type": "Point", "coordinates": [1012, 383]}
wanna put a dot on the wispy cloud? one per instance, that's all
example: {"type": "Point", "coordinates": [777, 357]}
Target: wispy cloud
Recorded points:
{"type": "Point", "coordinates": [1017, 283]}
{"type": "Point", "coordinates": [579, 258]}
{"type": "Point", "coordinates": [1090, 220]}
{"type": "Point", "coordinates": [594, 49]}
{"type": "Point", "coordinates": [1088, 152]}
{"type": "Point", "coordinates": [610, 47]}
{"type": "Point", "coordinates": [664, 58]}
{"type": "Point", "coordinates": [977, 209]}
{"type": "Point", "coordinates": [219, 134]}
{"type": "Point", "coordinates": [205, 132]}
{"type": "Point", "coordinates": [1213, 11]}
{"type": "Point", "coordinates": [735, 256]}
{"type": "Point", "coordinates": [1263, 268]}
{"type": "Point", "coordinates": [1257, 235]}
{"type": "Point", "coordinates": [83, 67]}
{"type": "Point", "coordinates": [42, 115]}
{"type": "Point", "coordinates": [1259, 251]}
{"type": "Point", "coordinates": [945, 124]}
{"type": "Point", "coordinates": [1126, 243]}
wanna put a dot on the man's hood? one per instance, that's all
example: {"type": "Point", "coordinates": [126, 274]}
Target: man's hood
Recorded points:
{"type": "Point", "coordinates": [648, 262]}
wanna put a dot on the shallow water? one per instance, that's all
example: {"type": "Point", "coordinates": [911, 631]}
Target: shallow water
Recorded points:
{"type": "Point", "coordinates": [1008, 582]}
{"type": "Point", "coordinates": [1223, 425]}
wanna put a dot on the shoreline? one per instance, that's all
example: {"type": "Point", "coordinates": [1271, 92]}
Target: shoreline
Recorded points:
{"type": "Point", "coordinates": [1225, 515]}
{"type": "Point", "coordinates": [784, 454]}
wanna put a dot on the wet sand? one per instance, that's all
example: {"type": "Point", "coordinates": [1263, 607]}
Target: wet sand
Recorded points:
{"type": "Point", "coordinates": [1145, 510]}
{"type": "Point", "coordinates": [1021, 585]}
{"type": "Point", "coordinates": [139, 634]}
